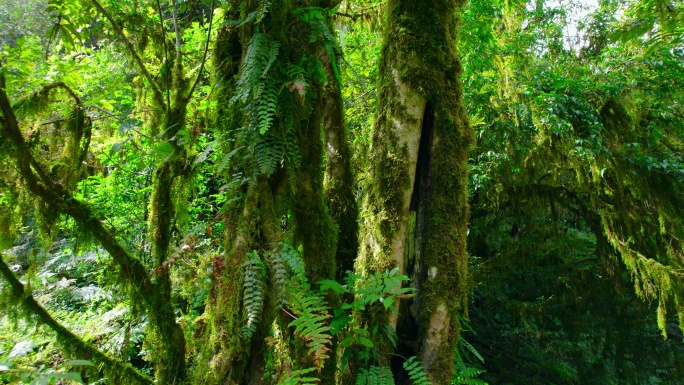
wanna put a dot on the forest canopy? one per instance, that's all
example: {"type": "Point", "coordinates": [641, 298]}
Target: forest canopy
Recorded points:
{"type": "Point", "coordinates": [341, 192]}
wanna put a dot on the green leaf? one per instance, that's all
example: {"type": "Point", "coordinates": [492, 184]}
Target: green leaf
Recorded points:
{"type": "Point", "coordinates": [68, 376]}
{"type": "Point", "coordinates": [79, 363]}
{"type": "Point", "coordinates": [116, 147]}
{"type": "Point", "coordinates": [328, 284]}
{"type": "Point", "coordinates": [163, 150]}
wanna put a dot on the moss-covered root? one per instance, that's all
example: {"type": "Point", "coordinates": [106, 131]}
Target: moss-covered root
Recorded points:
{"type": "Point", "coordinates": [115, 372]}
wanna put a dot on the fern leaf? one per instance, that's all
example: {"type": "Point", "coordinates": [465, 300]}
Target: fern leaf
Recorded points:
{"type": "Point", "coordinates": [311, 312]}
{"type": "Point", "coordinates": [272, 56]}
{"type": "Point", "coordinates": [253, 293]}
{"type": "Point", "coordinates": [255, 61]}
{"type": "Point", "coordinates": [295, 378]}
{"type": "Point", "coordinates": [267, 107]}
{"type": "Point", "coordinates": [471, 348]}
{"type": "Point", "coordinates": [375, 375]}
{"type": "Point", "coordinates": [416, 372]}
{"type": "Point", "coordinates": [293, 260]}
{"type": "Point", "coordinates": [280, 279]}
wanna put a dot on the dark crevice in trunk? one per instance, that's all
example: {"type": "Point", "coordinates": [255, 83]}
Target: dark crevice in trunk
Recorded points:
{"type": "Point", "coordinates": [407, 325]}
{"type": "Point", "coordinates": [422, 182]}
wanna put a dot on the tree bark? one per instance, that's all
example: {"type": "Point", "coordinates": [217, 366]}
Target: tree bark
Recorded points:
{"type": "Point", "coordinates": [416, 207]}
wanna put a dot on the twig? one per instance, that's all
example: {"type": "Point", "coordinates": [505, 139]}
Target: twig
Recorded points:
{"type": "Point", "coordinates": [175, 27]}
{"type": "Point", "coordinates": [133, 52]}
{"type": "Point", "coordinates": [206, 49]}
{"type": "Point", "coordinates": [166, 56]}
{"type": "Point", "coordinates": [111, 114]}
{"type": "Point", "coordinates": [288, 313]}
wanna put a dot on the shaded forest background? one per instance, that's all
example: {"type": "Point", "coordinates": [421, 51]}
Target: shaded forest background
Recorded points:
{"type": "Point", "coordinates": [575, 189]}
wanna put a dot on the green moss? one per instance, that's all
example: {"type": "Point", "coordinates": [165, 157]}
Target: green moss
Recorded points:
{"type": "Point", "coordinates": [420, 48]}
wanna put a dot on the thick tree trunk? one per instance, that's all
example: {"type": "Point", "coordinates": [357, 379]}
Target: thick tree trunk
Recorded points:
{"type": "Point", "coordinates": [416, 207]}
{"type": "Point", "coordinates": [286, 204]}
{"type": "Point", "coordinates": [168, 337]}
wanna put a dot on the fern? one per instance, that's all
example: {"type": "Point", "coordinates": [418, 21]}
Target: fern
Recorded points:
{"type": "Point", "coordinates": [295, 378]}
{"type": "Point", "coordinates": [471, 349]}
{"type": "Point", "coordinates": [311, 311]}
{"type": "Point", "coordinates": [280, 278]}
{"type": "Point", "coordinates": [315, 17]}
{"type": "Point", "coordinates": [272, 56]}
{"type": "Point", "coordinates": [416, 372]}
{"type": "Point", "coordinates": [254, 63]}
{"type": "Point", "coordinates": [467, 375]}
{"type": "Point", "coordinates": [293, 260]}
{"type": "Point", "coordinates": [274, 131]}
{"type": "Point", "coordinates": [464, 373]}
{"type": "Point", "coordinates": [253, 295]}
{"type": "Point", "coordinates": [267, 106]}
{"type": "Point", "coordinates": [376, 375]}
{"type": "Point", "coordinates": [286, 265]}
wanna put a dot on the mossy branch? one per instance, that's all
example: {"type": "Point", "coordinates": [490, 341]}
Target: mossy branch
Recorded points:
{"type": "Point", "coordinates": [124, 373]}
{"type": "Point", "coordinates": [206, 49]}
{"type": "Point", "coordinates": [41, 185]}
{"type": "Point", "coordinates": [45, 91]}
{"type": "Point", "coordinates": [131, 49]}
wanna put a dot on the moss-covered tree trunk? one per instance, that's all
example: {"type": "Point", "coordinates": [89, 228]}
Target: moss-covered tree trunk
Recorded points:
{"type": "Point", "coordinates": [279, 152]}
{"type": "Point", "coordinates": [416, 208]}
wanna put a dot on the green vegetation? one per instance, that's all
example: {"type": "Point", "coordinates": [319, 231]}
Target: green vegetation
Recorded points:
{"type": "Point", "coordinates": [341, 192]}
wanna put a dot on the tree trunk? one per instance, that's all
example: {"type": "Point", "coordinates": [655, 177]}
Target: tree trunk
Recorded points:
{"type": "Point", "coordinates": [416, 207]}
{"type": "Point", "coordinates": [284, 200]}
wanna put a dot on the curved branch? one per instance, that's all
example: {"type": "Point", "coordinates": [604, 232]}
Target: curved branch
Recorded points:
{"type": "Point", "coordinates": [65, 337]}
{"type": "Point", "coordinates": [44, 187]}
{"type": "Point", "coordinates": [206, 48]}
{"type": "Point", "coordinates": [166, 55]}
{"type": "Point", "coordinates": [48, 88]}
{"type": "Point", "coordinates": [157, 93]}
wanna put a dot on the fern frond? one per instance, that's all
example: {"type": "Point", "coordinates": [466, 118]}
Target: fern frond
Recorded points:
{"type": "Point", "coordinates": [294, 260]}
{"type": "Point", "coordinates": [376, 375]}
{"type": "Point", "coordinates": [471, 349]}
{"type": "Point", "coordinates": [415, 371]}
{"type": "Point", "coordinates": [311, 311]}
{"type": "Point", "coordinates": [280, 278]}
{"type": "Point", "coordinates": [253, 293]}
{"type": "Point", "coordinates": [268, 153]}
{"type": "Point", "coordinates": [253, 65]}
{"type": "Point", "coordinates": [266, 106]}
{"type": "Point", "coordinates": [295, 378]}
{"type": "Point", "coordinates": [272, 56]}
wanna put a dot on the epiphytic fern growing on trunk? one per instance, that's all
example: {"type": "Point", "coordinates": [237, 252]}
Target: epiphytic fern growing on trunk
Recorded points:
{"type": "Point", "coordinates": [311, 312]}
{"type": "Point", "coordinates": [297, 378]}
{"type": "Point", "coordinates": [253, 293]}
